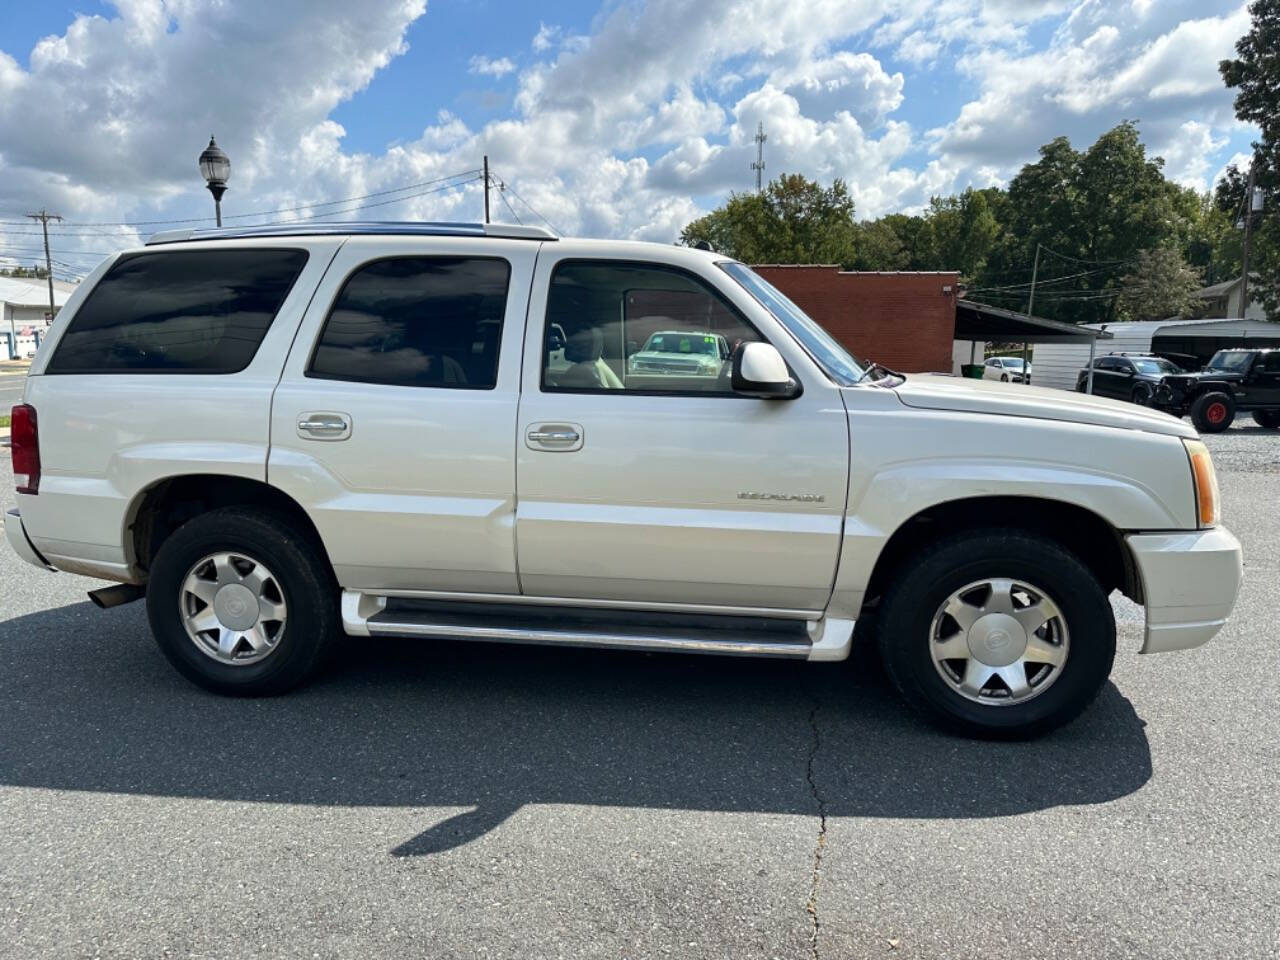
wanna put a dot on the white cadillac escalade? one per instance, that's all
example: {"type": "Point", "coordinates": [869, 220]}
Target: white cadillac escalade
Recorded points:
{"type": "Point", "coordinates": [280, 434]}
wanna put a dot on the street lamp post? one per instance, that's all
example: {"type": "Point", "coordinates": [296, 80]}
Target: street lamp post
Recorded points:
{"type": "Point", "coordinates": [215, 166]}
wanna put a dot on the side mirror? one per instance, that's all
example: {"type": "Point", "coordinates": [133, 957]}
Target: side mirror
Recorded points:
{"type": "Point", "coordinates": [760, 371]}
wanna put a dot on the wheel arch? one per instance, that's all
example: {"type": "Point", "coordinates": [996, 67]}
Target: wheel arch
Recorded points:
{"type": "Point", "coordinates": [1098, 544]}
{"type": "Point", "coordinates": [159, 509]}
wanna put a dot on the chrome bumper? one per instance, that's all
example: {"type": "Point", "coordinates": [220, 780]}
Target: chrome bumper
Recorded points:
{"type": "Point", "coordinates": [1189, 580]}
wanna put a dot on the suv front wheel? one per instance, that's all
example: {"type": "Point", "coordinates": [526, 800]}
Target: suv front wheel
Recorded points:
{"type": "Point", "coordinates": [1213, 412]}
{"type": "Point", "coordinates": [997, 634]}
{"type": "Point", "coordinates": [241, 603]}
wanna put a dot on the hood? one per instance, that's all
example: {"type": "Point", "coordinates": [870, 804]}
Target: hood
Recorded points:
{"type": "Point", "coordinates": [1190, 375]}
{"type": "Point", "coordinates": [1016, 400]}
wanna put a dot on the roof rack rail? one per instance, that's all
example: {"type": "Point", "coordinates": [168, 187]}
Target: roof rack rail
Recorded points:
{"type": "Point", "coordinates": [308, 228]}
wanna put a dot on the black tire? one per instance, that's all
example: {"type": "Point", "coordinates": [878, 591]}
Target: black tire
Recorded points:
{"type": "Point", "coordinates": [1004, 378]}
{"type": "Point", "coordinates": [918, 591]}
{"type": "Point", "coordinates": [1267, 418]}
{"type": "Point", "coordinates": [305, 580]}
{"type": "Point", "coordinates": [1142, 395]}
{"type": "Point", "coordinates": [1213, 412]}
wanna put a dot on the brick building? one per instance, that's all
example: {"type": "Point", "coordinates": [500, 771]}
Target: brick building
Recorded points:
{"type": "Point", "coordinates": [904, 320]}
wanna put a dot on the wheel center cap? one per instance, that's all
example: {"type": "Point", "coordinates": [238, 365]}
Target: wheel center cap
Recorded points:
{"type": "Point", "coordinates": [235, 606]}
{"type": "Point", "coordinates": [997, 640]}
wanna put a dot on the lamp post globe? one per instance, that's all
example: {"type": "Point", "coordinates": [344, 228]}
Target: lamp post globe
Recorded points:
{"type": "Point", "coordinates": [215, 167]}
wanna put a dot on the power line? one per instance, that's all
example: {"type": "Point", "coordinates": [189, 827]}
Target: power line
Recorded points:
{"type": "Point", "coordinates": [258, 213]}
{"type": "Point", "coordinates": [502, 194]}
{"type": "Point", "coordinates": [531, 208]}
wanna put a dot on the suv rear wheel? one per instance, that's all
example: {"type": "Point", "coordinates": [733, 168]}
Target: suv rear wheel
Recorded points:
{"type": "Point", "coordinates": [241, 604]}
{"type": "Point", "coordinates": [1213, 412]}
{"type": "Point", "coordinates": [1267, 418]}
{"type": "Point", "coordinates": [995, 634]}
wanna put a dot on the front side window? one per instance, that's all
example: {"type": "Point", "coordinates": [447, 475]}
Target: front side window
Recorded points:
{"type": "Point", "coordinates": [417, 322]}
{"type": "Point", "coordinates": [642, 328]}
{"type": "Point", "coordinates": [183, 311]}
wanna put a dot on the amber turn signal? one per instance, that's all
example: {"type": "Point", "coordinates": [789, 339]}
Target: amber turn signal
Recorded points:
{"type": "Point", "coordinates": [1206, 481]}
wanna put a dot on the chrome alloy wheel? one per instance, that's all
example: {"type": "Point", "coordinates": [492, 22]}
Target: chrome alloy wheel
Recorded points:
{"type": "Point", "coordinates": [999, 642]}
{"type": "Point", "coordinates": [233, 608]}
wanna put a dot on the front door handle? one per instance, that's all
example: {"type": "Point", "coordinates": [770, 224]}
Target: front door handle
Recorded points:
{"type": "Point", "coordinates": [324, 425]}
{"type": "Point", "coordinates": [557, 437]}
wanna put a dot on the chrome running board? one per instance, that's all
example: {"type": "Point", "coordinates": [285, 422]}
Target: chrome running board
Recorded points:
{"type": "Point", "coordinates": [504, 621]}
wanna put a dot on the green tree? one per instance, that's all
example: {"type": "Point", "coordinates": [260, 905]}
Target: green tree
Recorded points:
{"type": "Point", "coordinates": [1255, 75]}
{"type": "Point", "coordinates": [1161, 284]}
{"type": "Point", "coordinates": [963, 229]}
{"type": "Point", "coordinates": [877, 246]}
{"type": "Point", "coordinates": [794, 220]}
{"type": "Point", "coordinates": [1092, 212]}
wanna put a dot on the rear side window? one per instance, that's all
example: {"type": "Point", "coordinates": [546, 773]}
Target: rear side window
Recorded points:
{"type": "Point", "coordinates": [186, 311]}
{"type": "Point", "coordinates": [417, 322]}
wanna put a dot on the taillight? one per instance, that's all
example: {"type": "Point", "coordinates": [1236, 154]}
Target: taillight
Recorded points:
{"type": "Point", "coordinates": [24, 444]}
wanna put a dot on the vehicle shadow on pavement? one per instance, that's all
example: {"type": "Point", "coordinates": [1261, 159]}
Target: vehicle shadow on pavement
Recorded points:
{"type": "Point", "coordinates": [88, 703]}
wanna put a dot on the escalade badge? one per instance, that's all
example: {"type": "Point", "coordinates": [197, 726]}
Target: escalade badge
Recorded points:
{"type": "Point", "coordinates": [799, 497]}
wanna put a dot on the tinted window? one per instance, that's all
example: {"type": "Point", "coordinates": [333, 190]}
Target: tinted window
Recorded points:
{"type": "Point", "coordinates": [1271, 362]}
{"type": "Point", "coordinates": [417, 322]}
{"type": "Point", "coordinates": [637, 327]}
{"type": "Point", "coordinates": [187, 311]}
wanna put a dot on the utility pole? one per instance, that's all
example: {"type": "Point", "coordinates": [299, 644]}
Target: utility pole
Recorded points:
{"type": "Point", "coordinates": [1035, 269]}
{"type": "Point", "coordinates": [1031, 302]}
{"type": "Point", "coordinates": [486, 188]}
{"type": "Point", "coordinates": [1248, 235]}
{"type": "Point", "coordinates": [758, 166]}
{"type": "Point", "coordinates": [44, 217]}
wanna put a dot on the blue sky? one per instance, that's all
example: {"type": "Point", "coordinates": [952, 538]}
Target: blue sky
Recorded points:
{"type": "Point", "coordinates": [617, 118]}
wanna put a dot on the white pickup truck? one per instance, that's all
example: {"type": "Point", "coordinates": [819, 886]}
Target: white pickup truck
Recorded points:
{"type": "Point", "coordinates": [281, 434]}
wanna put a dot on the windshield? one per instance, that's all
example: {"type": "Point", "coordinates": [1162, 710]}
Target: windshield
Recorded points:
{"type": "Point", "coordinates": [835, 361]}
{"type": "Point", "coordinates": [1014, 363]}
{"type": "Point", "coordinates": [1231, 361]}
{"type": "Point", "coordinates": [702, 343]}
{"type": "Point", "coordinates": [1156, 366]}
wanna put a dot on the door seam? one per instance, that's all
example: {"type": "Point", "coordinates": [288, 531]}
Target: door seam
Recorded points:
{"type": "Point", "coordinates": [515, 438]}
{"type": "Point", "coordinates": [271, 404]}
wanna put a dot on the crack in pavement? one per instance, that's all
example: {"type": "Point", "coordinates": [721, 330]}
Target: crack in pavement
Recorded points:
{"type": "Point", "coordinates": [812, 906]}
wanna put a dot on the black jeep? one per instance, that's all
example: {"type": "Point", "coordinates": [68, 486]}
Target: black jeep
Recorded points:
{"type": "Point", "coordinates": [1232, 380]}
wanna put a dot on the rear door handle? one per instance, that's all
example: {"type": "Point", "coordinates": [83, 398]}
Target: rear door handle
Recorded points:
{"type": "Point", "coordinates": [557, 437]}
{"type": "Point", "coordinates": [324, 425]}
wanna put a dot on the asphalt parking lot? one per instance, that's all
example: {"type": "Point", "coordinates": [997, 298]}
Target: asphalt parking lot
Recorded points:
{"type": "Point", "coordinates": [446, 800]}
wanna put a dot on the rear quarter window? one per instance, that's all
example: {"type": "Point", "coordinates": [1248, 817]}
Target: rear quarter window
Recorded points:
{"type": "Point", "coordinates": [184, 311]}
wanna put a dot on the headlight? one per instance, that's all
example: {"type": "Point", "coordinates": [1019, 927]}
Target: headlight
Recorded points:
{"type": "Point", "coordinates": [1208, 504]}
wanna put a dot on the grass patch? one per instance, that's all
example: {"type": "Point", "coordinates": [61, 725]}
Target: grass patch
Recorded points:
{"type": "Point", "coordinates": [4, 420]}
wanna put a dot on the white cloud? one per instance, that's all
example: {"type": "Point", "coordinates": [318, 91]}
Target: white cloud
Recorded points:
{"type": "Point", "coordinates": [493, 68]}
{"type": "Point", "coordinates": [1187, 155]}
{"type": "Point", "coordinates": [625, 131]}
{"type": "Point", "coordinates": [545, 37]}
{"type": "Point", "coordinates": [1103, 65]}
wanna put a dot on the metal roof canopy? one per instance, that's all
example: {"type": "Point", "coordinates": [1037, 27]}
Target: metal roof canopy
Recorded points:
{"type": "Point", "coordinates": [977, 321]}
{"type": "Point", "coordinates": [308, 228]}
